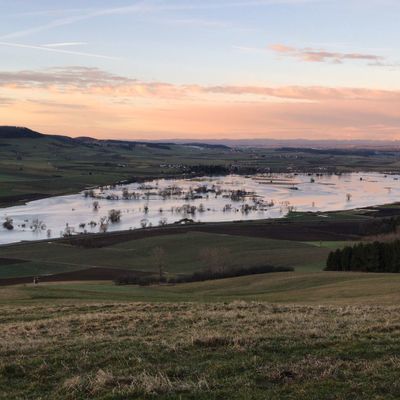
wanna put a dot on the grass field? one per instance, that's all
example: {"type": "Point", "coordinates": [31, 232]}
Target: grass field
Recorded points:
{"type": "Point", "coordinates": [339, 288]}
{"type": "Point", "coordinates": [237, 350]}
{"type": "Point", "coordinates": [182, 254]}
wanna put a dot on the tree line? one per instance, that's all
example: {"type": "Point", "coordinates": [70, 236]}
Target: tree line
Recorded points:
{"type": "Point", "coordinates": [199, 276]}
{"type": "Point", "coordinates": [366, 257]}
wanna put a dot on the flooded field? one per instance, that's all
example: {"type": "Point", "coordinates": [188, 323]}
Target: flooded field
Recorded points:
{"type": "Point", "coordinates": [161, 202]}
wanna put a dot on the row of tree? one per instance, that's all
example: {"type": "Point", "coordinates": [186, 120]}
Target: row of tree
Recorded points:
{"type": "Point", "coordinates": [366, 257]}
{"type": "Point", "coordinates": [199, 276]}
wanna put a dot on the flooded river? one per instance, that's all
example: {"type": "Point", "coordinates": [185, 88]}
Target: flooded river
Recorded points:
{"type": "Point", "coordinates": [160, 202]}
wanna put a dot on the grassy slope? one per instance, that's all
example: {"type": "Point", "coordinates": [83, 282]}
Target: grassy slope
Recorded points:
{"type": "Point", "coordinates": [298, 287]}
{"type": "Point", "coordinates": [199, 351]}
{"type": "Point", "coordinates": [182, 254]}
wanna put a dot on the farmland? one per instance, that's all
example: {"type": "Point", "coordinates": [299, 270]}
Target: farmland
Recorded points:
{"type": "Point", "coordinates": [182, 254]}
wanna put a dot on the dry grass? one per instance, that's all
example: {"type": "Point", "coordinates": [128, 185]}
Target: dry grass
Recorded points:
{"type": "Point", "coordinates": [144, 382]}
{"type": "Point", "coordinates": [236, 350]}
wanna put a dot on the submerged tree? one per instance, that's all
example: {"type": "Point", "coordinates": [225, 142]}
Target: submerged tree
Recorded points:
{"type": "Point", "coordinates": [89, 193]}
{"type": "Point", "coordinates": [38, 225]}
{"type": "Point", "coordinates": [96, 205]}
{"type": "Point", "coordinates": [103, 227]}
{"type": "Point", "coordinates": [8, 224]}
{"type": "Point", "coordinates": [114, 216]}
{"type": "Point", "coordinates": [163, 222]}
{"type": "Point", "coordinates": [125, 193]}
{"type": "Point", "coordinates": [68, 230]}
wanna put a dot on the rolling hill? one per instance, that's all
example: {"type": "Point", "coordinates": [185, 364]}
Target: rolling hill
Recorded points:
{"type": "Point", "coordinates": [35, 165]}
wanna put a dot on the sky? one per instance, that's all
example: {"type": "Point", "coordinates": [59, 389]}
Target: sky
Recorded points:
{"type": "Point", "coordinates": [202, 69]}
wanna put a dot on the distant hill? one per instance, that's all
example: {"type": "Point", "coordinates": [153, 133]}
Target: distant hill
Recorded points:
{"type": "Point", "coordinates": [86, 139]}
{"type": "Point", "coordinates": [79, 143]}
{"type": "Point", "coordinates": [311, 146]}
{"type": "Point", "coordinates": [207, 145]}
{"type": "Point", "coordinates": [335, 151]}
{"type": "Point", "coordinates": [269, 143]}
{"type": "Point", "coordinates": [15, 132]}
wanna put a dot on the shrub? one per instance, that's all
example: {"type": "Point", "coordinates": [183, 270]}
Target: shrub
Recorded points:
{"type": "Point", "coordinates": [200, 276]}
{"type": "Point", "coordinates": [131, 279]}
{"type": "Point", "coordinates": [206, 275]}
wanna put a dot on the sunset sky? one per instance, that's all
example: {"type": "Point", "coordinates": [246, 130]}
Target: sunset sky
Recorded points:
{"type": "Point", "coordinates": [201, 69]}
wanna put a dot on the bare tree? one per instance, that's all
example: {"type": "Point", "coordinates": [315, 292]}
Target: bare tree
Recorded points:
{"type": "Point", "coordinates": [38, 225]}
{"type": "Point", "coordinates": [68, 231]}
{"type": "Point", "coordinates": [215, 259]}
{"type": "Point", "coordinates": [158, 257]}
{"type": "Point", "coordinates": [163, 222]}
{"type": "Point", "coordinates": [103, 225]}
{"type": "Point", "coordinates": [89, 193]}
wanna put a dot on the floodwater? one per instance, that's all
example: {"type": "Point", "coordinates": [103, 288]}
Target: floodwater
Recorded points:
{"type": "Point", "coordinates": [206, 199]}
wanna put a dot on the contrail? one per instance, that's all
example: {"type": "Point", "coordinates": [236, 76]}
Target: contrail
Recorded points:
{"type": "Point", "coordinates": [64, 44]}
{"type": "Point", "coordinates": [51, 49]}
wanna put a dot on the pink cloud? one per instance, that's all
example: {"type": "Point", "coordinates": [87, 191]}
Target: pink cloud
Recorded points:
{"type": "Point", "coordinates": [318, 55]}
{"type": "Point", "coordinates": [80, 80]}
{"type": "Point", "coordinates": [59, 100]}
